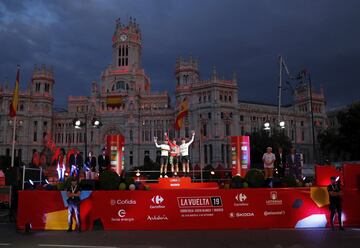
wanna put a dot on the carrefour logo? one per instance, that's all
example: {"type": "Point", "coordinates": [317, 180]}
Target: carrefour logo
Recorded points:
{"type": "Point", "coordinates": [157, 199]}
{"type": "Point", "coordinates": [241, 200]}
{"type": "Point", "coordinates": [241, 197]}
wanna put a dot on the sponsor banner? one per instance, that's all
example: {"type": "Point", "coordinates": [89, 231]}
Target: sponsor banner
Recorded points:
{"type": "Point", "coordinates": [184, 209]}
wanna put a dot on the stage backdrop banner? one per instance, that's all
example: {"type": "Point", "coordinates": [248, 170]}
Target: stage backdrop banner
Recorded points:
{"type": "Point", "coordinates": [184, 209]}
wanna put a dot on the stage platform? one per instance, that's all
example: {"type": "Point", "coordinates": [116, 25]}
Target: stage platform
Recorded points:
{"type": "Point", "coordinates": [187, 209]}
{"type": "Point", "coordinates": [181, 183]}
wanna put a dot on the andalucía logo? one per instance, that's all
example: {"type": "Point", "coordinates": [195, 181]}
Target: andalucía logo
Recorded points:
{"type": "Point", "coordinates": [157, 200]}
{"type": "Point", "coordinates": [273, 199]}
{"type": "Point", "coordinates": [200, 201]}
{"type": "Point", "coordinates": [157, 218]}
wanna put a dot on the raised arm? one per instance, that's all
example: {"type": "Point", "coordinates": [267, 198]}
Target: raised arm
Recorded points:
{"type": "Point", "coordinates": [166, 136]}
{"type": "Point", "coordinates": [156, 144]}
{"type": "Point", "coordinates": [192, 138]}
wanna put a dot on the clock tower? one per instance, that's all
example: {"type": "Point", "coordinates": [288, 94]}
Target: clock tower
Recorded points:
{"type": "Point", "coordinates": [125, 75]}
{"type": "Point", "coordinates": [126, 43]}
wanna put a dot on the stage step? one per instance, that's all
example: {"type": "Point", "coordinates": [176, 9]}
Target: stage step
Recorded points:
{"type": "Point", "coordinates": [181, 183]}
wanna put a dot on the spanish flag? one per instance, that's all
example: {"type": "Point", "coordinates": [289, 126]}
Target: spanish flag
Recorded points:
{"type": "Point", "coordinates": [184, 109]}
{"type": "Point", "coordinates": [114, 101]}
{"type": "Point", "coordinates": [15, 98]}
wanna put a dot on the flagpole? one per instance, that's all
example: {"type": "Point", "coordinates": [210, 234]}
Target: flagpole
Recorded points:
{"type": "Point", "coordinates": [201, 160]}
{"type": "Point", "coordinates": [13, 143]}
{"type": "Point", "coordinates": [280, 89]}
{"type": "Point", "coordinates": [200, 145]}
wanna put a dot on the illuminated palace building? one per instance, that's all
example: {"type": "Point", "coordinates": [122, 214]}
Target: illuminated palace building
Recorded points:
{"type": "Point", "coordinates": [125, 104]}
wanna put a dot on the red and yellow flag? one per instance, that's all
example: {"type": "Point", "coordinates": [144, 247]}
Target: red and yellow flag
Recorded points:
{"type": "Point", "coordinates": [114, 101]}
{"type": "Point", "coordinates": [184, 109]}
{"type": "Point", "coordinates": [15, 98]}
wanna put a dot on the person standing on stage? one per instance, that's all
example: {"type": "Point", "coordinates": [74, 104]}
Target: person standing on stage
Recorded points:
{"type": "Point", "coordinates": [174, 155]}
{"type": "Point", "coordinates": [268, 159]}
{"type": "Point", "coordinates": [76, 162]}
{"type": "Point", "coordinates": [90, 166]}
{"type": "Point", "coordinates": [335, 195]}
{"type": "Point", "coordinates": [35, 161]}
{"type": "Point", "coordinates": [294, 164]}
{"type": "Point", "coordinates": [42, 159]}
{"type": "Point", "coordinates": [73, 194]}
{"type": "Point", "coordinates": [61, 165]}
{"type": "Point", "coordinates": [165, 148]}
{"type": "Point", "coordinates": [184, 152]}
{"type": "Point", "coordinates": [103, 161]}
{"type": "Point", "coordinates": [280, 163]}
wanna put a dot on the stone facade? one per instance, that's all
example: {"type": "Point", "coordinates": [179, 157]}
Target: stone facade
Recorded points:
{"type": "Point", "coordinates": [214, 108]}
{"type": "Point", "coordinates": [34, 115]}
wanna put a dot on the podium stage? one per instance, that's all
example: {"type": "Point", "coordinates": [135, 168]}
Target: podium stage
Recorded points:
{"type": "Point", "coordinates": [187, 209]}
{"type": "Point", "coordinates": [193, 206]}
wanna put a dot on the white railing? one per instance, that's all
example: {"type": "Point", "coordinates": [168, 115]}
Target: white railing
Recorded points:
{"type": "Point", "coordinates": [34, 181]}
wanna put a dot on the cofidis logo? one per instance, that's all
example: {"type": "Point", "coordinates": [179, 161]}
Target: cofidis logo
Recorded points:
{"type": "Point", "coordinates": [114, 202]}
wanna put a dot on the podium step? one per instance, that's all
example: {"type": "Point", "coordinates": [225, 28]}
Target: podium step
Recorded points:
{"type": "Point", "coordinates": [181, 183]}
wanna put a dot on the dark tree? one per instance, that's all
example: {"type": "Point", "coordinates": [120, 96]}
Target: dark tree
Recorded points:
{"type": "Point", "coordinates": [260, 140]}
{"type": "Point", "coordinates": [343, 143]}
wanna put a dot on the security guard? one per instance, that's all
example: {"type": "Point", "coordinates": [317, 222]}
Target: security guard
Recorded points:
{"type": "Point", "coordinates": [73, 194]}
{"type": "Point", "coordinates": [335, 194]}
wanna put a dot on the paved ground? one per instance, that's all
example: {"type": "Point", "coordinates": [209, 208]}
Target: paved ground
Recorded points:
{"type": "Point", "coordinates": [278, 238]}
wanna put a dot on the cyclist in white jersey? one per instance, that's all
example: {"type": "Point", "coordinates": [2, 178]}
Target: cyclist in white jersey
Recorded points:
{"type": "Point", "coordinates": [184, 152]}
{"type": "Point", "coordinates": [165, 148]}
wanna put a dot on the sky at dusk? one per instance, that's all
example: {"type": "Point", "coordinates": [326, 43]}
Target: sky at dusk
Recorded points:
{"type": "Point", "coordinates": [74, 37]}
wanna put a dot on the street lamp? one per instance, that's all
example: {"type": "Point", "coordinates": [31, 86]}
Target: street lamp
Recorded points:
{"type": "Point", "coordinates": [282, 124]}
{"type": "Point", "coordinates": [96, 123]}
{"type": "Point", "coordinates": [78, 124]}
{"type": "Point", "coordinates": [267, 126]}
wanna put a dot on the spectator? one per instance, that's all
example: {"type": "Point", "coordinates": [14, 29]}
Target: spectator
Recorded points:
{"type": "Point", "coordinates": [42, 159]}
{"type": "Point", "coordinates": [35, 161]}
